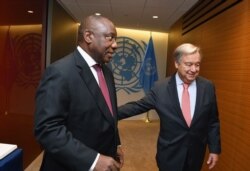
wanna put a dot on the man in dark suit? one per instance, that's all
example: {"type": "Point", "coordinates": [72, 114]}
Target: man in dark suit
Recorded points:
{"type": "Point", "coordinates": [181, 144]}
{"type": "Point", "coordinates": [74, 123]}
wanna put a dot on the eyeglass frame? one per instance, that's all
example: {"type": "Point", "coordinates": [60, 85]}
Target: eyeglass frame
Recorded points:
{"type": "Point", "coordinates": [109, 37]}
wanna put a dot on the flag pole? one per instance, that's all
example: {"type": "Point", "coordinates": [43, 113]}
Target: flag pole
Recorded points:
{"type": "Point", "coordinates": [147, 120]}
{"type": "Point", "coordinates": [148, 71]}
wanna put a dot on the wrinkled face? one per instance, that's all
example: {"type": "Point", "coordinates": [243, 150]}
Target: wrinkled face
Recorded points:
{"type": "Point", "coordinates": [188, 67]}
{"type": "Point", "coordinates": [103, 41]}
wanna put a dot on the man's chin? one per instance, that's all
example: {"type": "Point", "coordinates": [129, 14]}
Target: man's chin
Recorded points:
{"type": "Point", "coordinates": [108, 59]}
{"type": "Point", "coordinates": [191, 79]}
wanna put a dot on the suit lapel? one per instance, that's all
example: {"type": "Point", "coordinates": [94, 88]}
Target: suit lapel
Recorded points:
{"type": "Point", "coordinates": [199, 96]}
{"type": "Point", "coordinates": [92, 85]}
{"type": "Point", "coordinates": [172, 89]}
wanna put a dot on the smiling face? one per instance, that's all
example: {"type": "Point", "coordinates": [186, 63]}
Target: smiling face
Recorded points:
{"type": "Point", "coordinates": [189, 67]}
{"type": "Point", "coordinates": [100, 39]}
{"type": "Point", "coordinates": [187, 62]}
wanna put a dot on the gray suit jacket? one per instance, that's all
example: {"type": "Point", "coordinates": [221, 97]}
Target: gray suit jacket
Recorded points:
{"type": "Point", "coordinates": [72, 120]}
{"type": "Point", "coordinates": [177, 143]}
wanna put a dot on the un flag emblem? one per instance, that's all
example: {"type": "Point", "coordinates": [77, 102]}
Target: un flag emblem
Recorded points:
{"type": "Point", "coordinates": [126, 64]}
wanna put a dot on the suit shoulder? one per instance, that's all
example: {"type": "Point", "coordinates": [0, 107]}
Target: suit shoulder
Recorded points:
{"type": "Point", "coordinates": [65, 64]}
{"type": "Point", "coordinates": [165, 81]}
{"type": "Point", "coordinates": [63, 61]}
{"type": "Point", "coordinates": [205, 81]}
{"type": "Point", "coordinates": [62, 66]}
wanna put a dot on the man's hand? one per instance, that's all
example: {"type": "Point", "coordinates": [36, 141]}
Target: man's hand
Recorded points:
{"type": "Point", "coordinates": [212, 160]}
{"type": "Point", "coordinates": [106, 163]}
{"type": "Point", "coordinates": [120, 155]}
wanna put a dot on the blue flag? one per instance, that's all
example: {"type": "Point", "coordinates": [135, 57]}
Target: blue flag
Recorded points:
{"type": "Point", "coordinates": [148, 72]}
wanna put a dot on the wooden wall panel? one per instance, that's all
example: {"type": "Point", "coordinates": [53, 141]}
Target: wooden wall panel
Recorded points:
{"type": "Point", "coordinates": [63, 33]}
{"type": "Point", "coordinates": [21, 49]}
{"type": "Point", "coordinates": [203, 11]}
{"type": "Point", "coordinates": [174, 35]}
{"type": "Point", "coordinates": [225, 45]}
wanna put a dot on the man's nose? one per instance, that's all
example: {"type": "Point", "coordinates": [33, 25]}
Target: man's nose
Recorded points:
{"type": "Point", "coordinates": [193, 68]}
{"type": "Point", "coordinates": [114, 44]}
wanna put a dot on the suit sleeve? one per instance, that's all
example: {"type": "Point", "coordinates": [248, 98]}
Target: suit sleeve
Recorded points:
{"type": "Point", "coordinates": [138, 107]}
{"type": "Point", "coordinates": [52, 103]}
{"type": "Point", "coordinates": [214, 142]}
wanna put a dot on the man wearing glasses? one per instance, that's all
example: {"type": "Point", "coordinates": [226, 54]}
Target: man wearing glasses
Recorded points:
{"type": "Point", "coordinates": [76, 106]}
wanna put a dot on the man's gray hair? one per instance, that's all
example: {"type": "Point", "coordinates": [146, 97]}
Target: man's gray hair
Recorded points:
{"type": "Point", "coordinates": [185, 49]}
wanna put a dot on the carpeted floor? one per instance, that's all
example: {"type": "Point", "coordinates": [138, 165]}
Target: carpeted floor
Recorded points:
{"type": "Point", "coordinates": [138, 142]}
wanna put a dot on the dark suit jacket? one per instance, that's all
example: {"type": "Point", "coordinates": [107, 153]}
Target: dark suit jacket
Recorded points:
{"type": "Point", "coordinates": [72, 120]}
{"type": "Point", "coordinates": [177, 143]}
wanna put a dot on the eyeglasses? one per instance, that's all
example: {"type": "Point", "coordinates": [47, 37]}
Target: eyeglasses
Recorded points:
{"type": "Point", "coordinates": [109, 37]}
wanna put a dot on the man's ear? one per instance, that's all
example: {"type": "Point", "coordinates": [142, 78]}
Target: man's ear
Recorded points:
{"type": "Point", "coordinates": [87, 36]}
{"type": "Point", "coordinates": [176, 64]}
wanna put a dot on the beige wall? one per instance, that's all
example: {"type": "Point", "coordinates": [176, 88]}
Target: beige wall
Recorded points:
{"type": "Point", "coordinates": [160, 41]}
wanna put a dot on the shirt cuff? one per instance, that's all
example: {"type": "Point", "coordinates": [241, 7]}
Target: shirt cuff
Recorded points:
{"type": "Point", "coordinates": [93, 165]}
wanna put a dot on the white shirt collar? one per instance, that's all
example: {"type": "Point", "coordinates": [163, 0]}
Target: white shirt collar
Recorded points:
{"type": "Point", "coordinates": [90, 61]}
{"type": "Point", "coordinates": [180, 82]}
